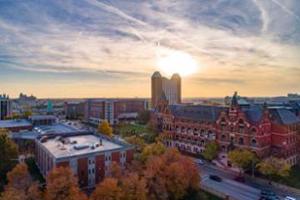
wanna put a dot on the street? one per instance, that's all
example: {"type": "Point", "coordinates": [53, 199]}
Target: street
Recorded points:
{"type": "Point", "coordinates": [241, 191]}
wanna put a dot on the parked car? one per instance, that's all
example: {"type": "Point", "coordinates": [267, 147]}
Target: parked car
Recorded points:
{"type": "Point", "coordinates": [268, 195]}
{"type": "Point", "coordinates": [200, 162]}
{"type": "Point", "coordinates": [289, 198]}
{"type": "Point", "coordinates": [215, 178]}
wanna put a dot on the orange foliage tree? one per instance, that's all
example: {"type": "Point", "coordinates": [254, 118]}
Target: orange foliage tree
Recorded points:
{"type": "Point", "coordinates": [108, 189]}
{"type": "Point", "coordinates": [62, 185]}
{"type": "Point", "coordinates": [20, 185]}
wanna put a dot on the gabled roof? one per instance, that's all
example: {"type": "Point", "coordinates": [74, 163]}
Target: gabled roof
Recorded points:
{"type": "Point", "coordinates": [204, 113]}
{"type": "Point", "coordinates": [254, 113]}
{"type": "Point", "coordinates": [284, 116]}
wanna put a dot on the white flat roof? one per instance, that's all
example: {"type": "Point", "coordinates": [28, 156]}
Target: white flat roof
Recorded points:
{"type": "Point", "coordinates": [14, 123]}
{"type": "Point", "coordinates": [60, 150]}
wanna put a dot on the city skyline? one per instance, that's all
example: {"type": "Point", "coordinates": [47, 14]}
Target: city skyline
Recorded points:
{"type": "Point", "coordinates": [111, 48]}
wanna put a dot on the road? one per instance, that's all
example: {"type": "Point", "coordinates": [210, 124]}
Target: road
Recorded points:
{"type": "Point", "coordinates": [240, 191]}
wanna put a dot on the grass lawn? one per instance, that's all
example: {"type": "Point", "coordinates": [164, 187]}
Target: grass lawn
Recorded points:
{"type": "Point", "coordinates": [127, 130]}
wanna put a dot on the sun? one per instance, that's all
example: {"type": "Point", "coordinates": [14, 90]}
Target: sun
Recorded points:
{"type": "Point", "coordinates": [170, 62]}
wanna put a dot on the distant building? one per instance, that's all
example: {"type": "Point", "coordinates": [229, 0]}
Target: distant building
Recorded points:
{"type": "Point", "coordinates": [5, 106]}
{"type": "Point", "coordinates": [15, 125]}
{"type": "Point", "coordinates": [170, 87]}
{"type": "Point", "coordinates": [74, 110]}
{"type": "Point", "coordinates": [97, 110]}
{"type": "Point", "coordinates": [43, 120]}
{"type": "Point", "coordinates": [263, 129]}
{"type": "Point", "coordinates": [89, 156]}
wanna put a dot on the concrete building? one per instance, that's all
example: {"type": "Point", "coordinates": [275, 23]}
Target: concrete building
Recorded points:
{"type": "Point", "coordinates": [264, 130]}
{"type": "Point", "coordinates": [16, 125]}
{"type": "Point", "coordinates": [74, 110]}
{"type": "Point", "coordinates": [97, 110]}
{"type": "Point", "coordinates": [89, 156]}
{"type": "Point", "coordinates": [170, 87]}
{"type": "Point", "coordinates": [5, 106]}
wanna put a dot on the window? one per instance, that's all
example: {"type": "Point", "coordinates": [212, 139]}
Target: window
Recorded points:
{"type": "Point", "coordinates": [241, 141]}
{"type": "Point", "coordinates": [253, 142]}
{"type": "Point", "coordinates": [223, 137]}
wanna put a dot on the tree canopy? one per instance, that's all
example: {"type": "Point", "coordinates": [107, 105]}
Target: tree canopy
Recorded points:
{"type": "Point", "coordinates": [105, 128]}
{"type": "Point", "coordinates": [20, 185]}
{"type": "Point", "coordinates": [211, 151]}
{"type": "Point", "coordinates": [8, 153]}
{"type": "Point", "coordinates": [242, 158]}
{"type": "Point", "coordinates": [62, 185]}
{"type": "Point", "coordinates": [274, 166]}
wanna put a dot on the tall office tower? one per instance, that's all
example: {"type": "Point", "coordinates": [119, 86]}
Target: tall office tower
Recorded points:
{"type": "Point", "coordinates": [5, 106]}
{"type": "Point", "coordinates": [170, 87]}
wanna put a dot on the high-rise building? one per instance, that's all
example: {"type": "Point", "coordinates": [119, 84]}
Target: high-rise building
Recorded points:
{"type": "Point", "coordinates": [5, 106]}
{"type": "Point", "coordinates": [170, 87]}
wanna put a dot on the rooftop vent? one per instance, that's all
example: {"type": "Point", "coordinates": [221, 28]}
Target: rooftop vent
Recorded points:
{"type": "Point", "coordinates": [81, 146]}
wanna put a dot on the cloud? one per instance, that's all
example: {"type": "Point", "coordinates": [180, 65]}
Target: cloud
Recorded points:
{"type": "Point", "coordinates": [121, 39]}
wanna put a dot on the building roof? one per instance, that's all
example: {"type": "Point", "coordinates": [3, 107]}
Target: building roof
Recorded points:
{"type": "Point", "coordinates": [42, 117]}
{"type": "Point", "coordinates": [14, 123]}
{"type": "Point", "coordinates": [254, 113]}
{"type": "Point", "coordinates": [284, 116]}
{"type": "Point", "coordinates": [205, 113]}
{"type": "Point", "coordinates": [76, 145]}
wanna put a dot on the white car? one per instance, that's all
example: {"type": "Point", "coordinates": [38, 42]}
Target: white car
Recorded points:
{"type": "Point", "coordinates": [200, 162]}
{"type": "Point", "coordinates": [289, 198]}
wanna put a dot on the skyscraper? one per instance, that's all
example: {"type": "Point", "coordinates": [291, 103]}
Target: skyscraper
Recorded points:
{"type": "Point", "coordinates": [5, 106]}
{"type": "Point", "coordinates": [170, 87]}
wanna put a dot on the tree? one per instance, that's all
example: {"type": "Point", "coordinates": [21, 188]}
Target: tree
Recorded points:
{"type": "Point", "coordinates": [20, 185]}
{"type": "Point", "coordinates": [211, 151]}
{"type": "Point", "coordinates": [170, 176]}
{"type": "Point", "coordinates": [8, 153]}
{"type": "Point", "coordinates": [143, 117]}
{"type": "Point", "coordinates": [137, 141]}
{"type": "Point", "coordinates": [104, 128]}
{"type": "Point", "coordinates": [242, 158]}
{"type": "Point", "coordinates": [62, 185]}
{"type": "Point", "coordinates": [134, 187]}
{"type": "Point", "coordinates": [154, 149]}
{"type": "Point", "coordinates": [108, 189]}
{"type": "Point", "coordinates": [274, 166]}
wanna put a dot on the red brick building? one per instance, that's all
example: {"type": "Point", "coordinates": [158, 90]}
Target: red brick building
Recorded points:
{"type": "Point", "coordinates": [89, 156]}
{"type": "Point", "coordinates": [261, 129]}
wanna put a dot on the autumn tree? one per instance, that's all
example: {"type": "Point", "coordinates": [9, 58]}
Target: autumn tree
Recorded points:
{"type": "Point", "coordinates": [137, 141]}
{"type": "Point", "coordinates": [154, 149]}
{"type": "Point", "coordinates": [104, 128]}
{"type": "Point", "coordinates": [242, 158]}
{"type": "Point", "coordinates": [273, 166]}
{"type": "Point", "coordinates": [108, 189]}
{"type": "Point", "coordinates": [133, 187]}
{"type": "Point", "coordinates": [20, 185]}
{"type": "Point", "coordinates": [170, 176]}
{"type": "Point", "coordinates": [62, 185]}
{"type": "Point", "coordinates": [211, 151]}
{"type": "Point", "coordinates": [8, 153]}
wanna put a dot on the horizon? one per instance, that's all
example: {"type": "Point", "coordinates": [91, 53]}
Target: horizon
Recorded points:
{"type": "Point", "coordinates": [90, 48]}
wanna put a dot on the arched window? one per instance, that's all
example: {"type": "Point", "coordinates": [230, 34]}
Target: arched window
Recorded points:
{"type": "Point", "coordinates": [253, 131]}
{"type": "Point", "coordinates": [241, 126]}
{"type": "Point", "coordinates": [223, 137]}
{"type": "Point", "coordinates": [253, 142]}
{"type": "Point", "coordinates": [195, 132]}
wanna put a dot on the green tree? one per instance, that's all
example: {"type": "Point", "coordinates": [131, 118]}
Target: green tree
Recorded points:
{"type": "Point", "coordinates": [8, 154]}
{"type": "Point", "coordinates": [150, 150]}
{"type": "Point", "coordinates": [143, 117]}
{"type": "Point", "coordinates": [273, 166]}
{"type": "Point", "coordinates": [211, 151]}
{"type": "Point", "coordinates": [105, 128]}
{"type": "Point", "coordinates": [242, 158]}
{"type": "Point", "coordinates": [137, 141]}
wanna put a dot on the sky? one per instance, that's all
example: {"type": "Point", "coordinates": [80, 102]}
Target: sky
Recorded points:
{"type": "Point", "coordinates": [110, 48]}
